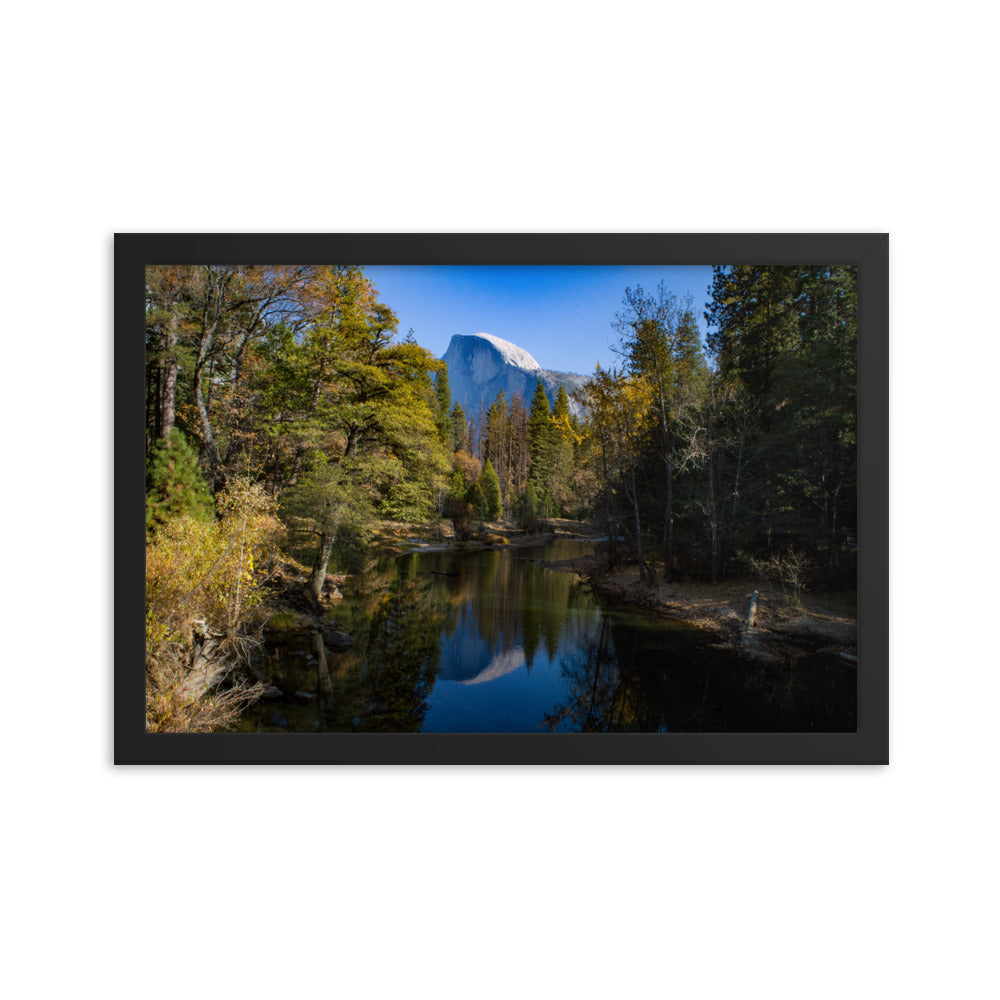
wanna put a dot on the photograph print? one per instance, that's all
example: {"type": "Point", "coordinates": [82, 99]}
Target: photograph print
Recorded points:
{"type": "Point", "coordinates": [501, 498]}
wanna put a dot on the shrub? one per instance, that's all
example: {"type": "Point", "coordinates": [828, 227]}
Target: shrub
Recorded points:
{"type": "Point", "coordinates": [209, 570]}
{"type": "Point", "coordinates": [788, 568]}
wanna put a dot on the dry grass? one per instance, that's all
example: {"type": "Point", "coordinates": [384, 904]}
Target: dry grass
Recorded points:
{"type": "Point", "coordinates": [167, 711]}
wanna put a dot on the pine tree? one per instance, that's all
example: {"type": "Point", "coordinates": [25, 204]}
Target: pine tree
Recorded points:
{"type": "Point", "coordinates": [460, 428]}
{"type": "Point", "coordinates": [457, 487]}
{"type": "Point", "coordinates": [539, 440]}
{"type": "Point", "coordinates": [174, 484]}
{"type": "Point", "coordinates": [444, 421]}
{"type": "Point", "coordinates": [497, 437]}
{"type": "Point", "coordinates": [491, 491]}
{"type": "Point", "coordinates": [560, 409]}
{"type": "Point", "coordinates": [477, 498]}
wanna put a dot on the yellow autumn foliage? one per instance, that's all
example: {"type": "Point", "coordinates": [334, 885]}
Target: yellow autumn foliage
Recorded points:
{"type": "Point", "coordinates": [211, 570]}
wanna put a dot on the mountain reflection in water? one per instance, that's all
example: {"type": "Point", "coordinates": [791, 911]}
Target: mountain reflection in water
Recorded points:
{"type": "Point", "coordinates": [495, 642]}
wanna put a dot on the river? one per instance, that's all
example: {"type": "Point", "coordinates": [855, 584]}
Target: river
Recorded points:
{"type": "Point", "coordinates": [495, 642]}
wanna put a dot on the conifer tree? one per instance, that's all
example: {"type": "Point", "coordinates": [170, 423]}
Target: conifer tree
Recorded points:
{"type": "Point", "coordinates": [491, 491]}
{"type": "Point", "coordinates": [174, 484]}
{"type": "Point", "coordinates": [460, 428]}
{"type": "Point", "coordinates": [497, 436]}
{"type": "Point", "coordinates": [444, 420]}
{"type": "Point", "coordinates": [477, 498]}
{"type": "Point", "coordinates": [660, 343]}
{"type": "Point", "coordinates": [539, 440]}
{"type": "Point", "coordinates": [560, 409]}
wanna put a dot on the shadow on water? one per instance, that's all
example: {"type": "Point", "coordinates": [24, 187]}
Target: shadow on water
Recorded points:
{"type": "Point", "coordinates": [495, 642]}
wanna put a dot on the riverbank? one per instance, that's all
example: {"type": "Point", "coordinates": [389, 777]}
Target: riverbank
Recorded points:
{"type": "Point", "coordinates": [820, 623]}
{"type": "Point", "coordinates": [782, 628]}
{"type": "Point", "coordinates": [396, 538]}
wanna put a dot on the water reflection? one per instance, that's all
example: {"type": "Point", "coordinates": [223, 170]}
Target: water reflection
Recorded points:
{"type": "Point", "coordinates": [402, 659]}
{"type": "Point", "coordinates": [495, 642]}
{"type": "Point", "coordinates": [637, 677]}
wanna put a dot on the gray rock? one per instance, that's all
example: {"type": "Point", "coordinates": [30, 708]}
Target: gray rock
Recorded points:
{"type": "Point", "coordinates": [480, 366]}
{"type": "Point", "coordinates": [336, 638]}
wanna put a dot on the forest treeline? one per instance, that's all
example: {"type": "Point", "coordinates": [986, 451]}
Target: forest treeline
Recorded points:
{"type": "Point", "coordinates": [285, 415]}
{"type": "Point", "coordinates": [742, 456]}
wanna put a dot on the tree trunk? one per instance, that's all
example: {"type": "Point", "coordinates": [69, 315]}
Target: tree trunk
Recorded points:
{"type": "Point", "coordinates": [634, 497]}
{"type": "Point", "coordinates": [318, 576]}
{"type": "Point", "coordinates": [713, 516]}
{"type": "Point", "coordinates": [152, 402]}
{"type": "Point", "coordinates": [323, 680]}
{"type": "Point", "coordinates": [293, 478]}
{"type": "Point", "coordinates": [168, 388]}
{"type": "Point", "coordinates": [669, 568]}
{"type": "Point", "coordinates": [208, 667]}
{"type": "Point", "coordinates": [736, 482]}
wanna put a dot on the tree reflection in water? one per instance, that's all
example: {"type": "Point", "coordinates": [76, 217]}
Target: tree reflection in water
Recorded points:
{"type": "Point", "coordinates": [629, 679]}
{"type": "Point", "coordinates": [594, 688]}
{"type": "Point", "coordinates": [497, 642]}
{"type": "Point", "coordinates": [403, 657]}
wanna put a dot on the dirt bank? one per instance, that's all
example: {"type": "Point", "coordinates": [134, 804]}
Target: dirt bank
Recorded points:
{"type": "Point", "coordinates": [825, 623]}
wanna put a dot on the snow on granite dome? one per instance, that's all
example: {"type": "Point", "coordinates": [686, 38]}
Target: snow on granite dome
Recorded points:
{"type": "Point", "coordinates": [511, 353]}
{"type": "Point", "coordinates": [481, 365]}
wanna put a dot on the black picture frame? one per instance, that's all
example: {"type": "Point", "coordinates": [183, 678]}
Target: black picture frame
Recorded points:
{"type": "Point", "coordinates": [869, 745]}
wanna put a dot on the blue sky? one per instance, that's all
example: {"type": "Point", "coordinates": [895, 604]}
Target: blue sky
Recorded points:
{"type": "Point", "coordinates": [561, 315]}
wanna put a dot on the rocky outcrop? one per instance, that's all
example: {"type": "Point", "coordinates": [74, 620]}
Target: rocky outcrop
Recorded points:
{"type": "Point", "coordinates": [480, 366]}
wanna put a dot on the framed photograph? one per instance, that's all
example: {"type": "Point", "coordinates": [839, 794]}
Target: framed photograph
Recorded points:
{"type": "Point", "coordinates": [470, 499]}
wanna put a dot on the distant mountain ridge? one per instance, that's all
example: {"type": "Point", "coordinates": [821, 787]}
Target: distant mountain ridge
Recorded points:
{"type": "Point", "coordinates": [481, 365]}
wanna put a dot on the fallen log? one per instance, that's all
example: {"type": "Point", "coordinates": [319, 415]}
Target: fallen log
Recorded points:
{"type": "Point", "coordinates": [209, 666]}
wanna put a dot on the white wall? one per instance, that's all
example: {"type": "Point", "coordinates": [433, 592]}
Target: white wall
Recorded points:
{"type": "Point", "coordinates": [771, 882]}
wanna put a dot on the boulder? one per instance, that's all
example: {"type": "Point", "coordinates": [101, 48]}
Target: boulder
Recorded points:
{"type": "Point", "coordinates": [336, 638]}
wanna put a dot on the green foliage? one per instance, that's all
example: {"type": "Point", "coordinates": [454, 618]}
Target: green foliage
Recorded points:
{"type": "Point", "coordinates": [529, 510]}
{"type": "Point", "coordinates": [406, 500]}
{"type": "Point", "coordinates": [540, 440]}
{"type": "Point", "coordinates": [753, 457]}
{"type": "Point", "coordinates": [490, 484]}
{"type": "Point", "coordinates": [444, 421]}
{"type": "Point", "coordinates": [329, 494]}
{"type": "Point", "coordinates": [460, 428]}
{"type": "Point", "coordinates": [457, 486]}
{"type": "Point", "coordinates": [560, 409]}
{"type": "Point", "coordinates": [174, 485]}
{"type": "Point", "coordinates": [352, 547]}
{"type": "Point", "coordinates": [477, 499]}
{"type": "Point", "coordinates": [404, 641]}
